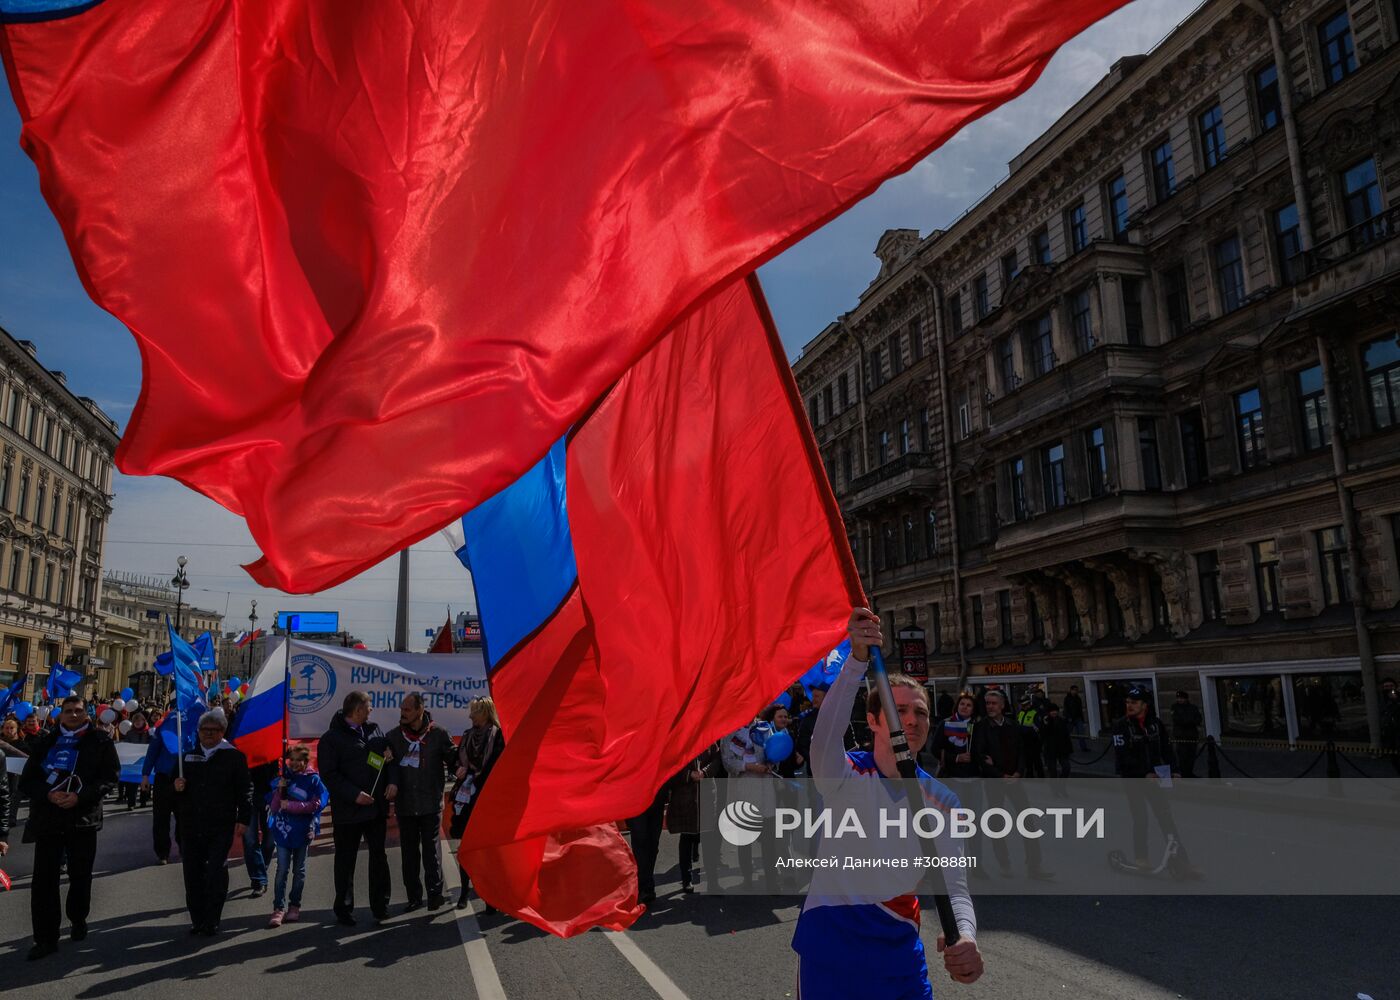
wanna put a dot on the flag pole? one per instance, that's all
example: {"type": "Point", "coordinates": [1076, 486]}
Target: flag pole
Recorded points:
{"type": "Point", "coordinates": [909, 771]}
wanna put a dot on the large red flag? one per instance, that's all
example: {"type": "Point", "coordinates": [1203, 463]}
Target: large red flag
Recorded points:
{"type": "Point", "coordinates": [683, 560]}
{"type": "Point", "coordinates": [438, 230]}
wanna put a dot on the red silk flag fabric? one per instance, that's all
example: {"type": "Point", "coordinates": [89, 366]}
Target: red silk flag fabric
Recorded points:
{"type": "Point", "coordinates": [379, 256]}
{"type": "Point", "coordinates": [712, 569]}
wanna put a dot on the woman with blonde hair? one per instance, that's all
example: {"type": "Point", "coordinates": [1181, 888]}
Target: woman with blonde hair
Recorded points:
{"type": "Point", "coordinates": [477, 754]}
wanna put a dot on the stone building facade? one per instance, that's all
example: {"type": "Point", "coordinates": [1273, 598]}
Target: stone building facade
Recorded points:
{"type": "Point", "coordinates": [55, 500]}
{"type": "Point", "coordinates": [148, 601]}
{"type": "Point", "coordinates": [1088, 434]}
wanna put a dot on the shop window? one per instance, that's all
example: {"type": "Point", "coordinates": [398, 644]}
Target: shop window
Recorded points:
{"type": "Point", "coordinates": [1330, 707]}
{"type": "Point", "coordinates": [1113, 696]}
{"type": "Point", "coordinates": [1251, 707]}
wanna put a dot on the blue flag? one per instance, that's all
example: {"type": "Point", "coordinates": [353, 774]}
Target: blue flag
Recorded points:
{"type": "Point", "coordinates": [188, 690]}
{"type": "Point", "coordinates": [823, 672]}
{"type": "Point", "coordinates": [164, 664]}
{"type": "Point", "coordinates": [204, 649]}
{"type": "Point", "coordinates": [10, 695]}
{"type": "Point", "coordinates": [61, 683]}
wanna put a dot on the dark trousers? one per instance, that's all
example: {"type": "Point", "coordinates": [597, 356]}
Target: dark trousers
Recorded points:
{"type": "Point", "coordinates": [1143, 794]}
{"type": "Point", "coordinates": [347, 837]}
{"type": "Point", "coordinates": [1186, 755]}
{"type": "Point", "coordinates": [80, 846]}
{"type": "Point", "coordinates": [1057, 765]}
{"type": "Point", "coordinates": [204, 854]}
{"type": "Point", "coordinates": [418, 842]}
{"type": "Point", "coordinates": [131, 790]}
{"type": "Point", "coordinates": [1000, 792]}
{"type": "Point", "coordinates": [646, 843]}
{"type": "Point", "coordinates": [691, 847]}
{"type": "Point", "coordinates": [162, 812]}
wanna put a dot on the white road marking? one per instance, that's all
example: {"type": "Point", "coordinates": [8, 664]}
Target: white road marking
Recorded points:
{"type": "Point", "coordinates": [665, 988]}
{"type": "Point", "coordinates": [484, 976]}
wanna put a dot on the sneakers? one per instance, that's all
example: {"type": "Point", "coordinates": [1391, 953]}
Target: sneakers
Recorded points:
{"type": "Point", "coordinates": [293, 914]}
{"type": "Point", "coordinates": [258, 890]}
{"type": "Point", "coordinates": [276, 920]}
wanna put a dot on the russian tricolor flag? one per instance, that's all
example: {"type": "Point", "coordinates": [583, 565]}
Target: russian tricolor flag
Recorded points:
{"type": "Point", "coordinates": [260, 723]}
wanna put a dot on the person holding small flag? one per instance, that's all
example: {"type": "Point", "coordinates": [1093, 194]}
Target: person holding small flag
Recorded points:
{"type": "Point", "coordinates": [425, 754]}
{"type": "Point", "coordinates": [158, 773]}
{"type": "Point", "coordinates": [358, 769]}
{"type": "Point", "coordinates": [68, 774]}
{"type": "Point", "coordinates": [214, 796]}
{"type": "Point", "coordinates": [295, 804]}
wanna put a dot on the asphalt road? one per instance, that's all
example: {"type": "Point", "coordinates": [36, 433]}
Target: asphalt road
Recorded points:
{"type": "Point", "coordinates": [688, 948]}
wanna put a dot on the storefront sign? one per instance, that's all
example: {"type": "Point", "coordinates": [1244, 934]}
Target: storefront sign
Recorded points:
{"type": "Point", "coordinates": [913, 652]}
{"type": "Point", "coordinates": [1006, 668]}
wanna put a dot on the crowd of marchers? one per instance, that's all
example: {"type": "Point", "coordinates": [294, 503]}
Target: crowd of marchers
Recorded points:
{"type": "Point", "coordinates": [415, 772]}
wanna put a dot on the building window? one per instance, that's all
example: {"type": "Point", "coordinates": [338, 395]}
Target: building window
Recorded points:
{"type": "Point", "coordinates": [12, 411]}
{"type": "Point", "coordinates": [909, 545]}
{"type": "Point", "coordinates": [1382, 361]}
{"type": "Point", "coordinates": [1017, 473]}
{"type": "Point", "coordinates": [16, 561]}
{"type": "Point", "coordinates": [1042, 346]}
{"type": "Point", "coordinates": [1361, 201]}
{"type": "Point", "coordinates": [1312, 405]}
{"type": "Point", "coordinates": [1163, 171]}
{"type": "Point", "coordinates": [887, 547]}
{"type": "Point", "coordinates": [843, 391]}
{"type": "Point", "coordinates": [846, 468]}
{"type": "Point", "coordinates": [53, 514]}
{"type": "Point", "coordinates": [1004, 615]}
{"type": "Point", "coordinates": [5, 472]}
{"type": "Point", "coordinates": [1033, 613]}
{"type": "Point", "coordinates": [896, 355]}
{"type": "Point", "coordinates": [1006, 361]}
{"type": "Point", "coordinates": [967, 518]}
{"type": "Point", "coordinates": [925, 431]}
{"type": "Point", "coordinates": [1081, 320]}
{"type": "Point", "coordinates": [935, 631]}
{"type": "Point", "coordinates": [68, 522]}
{"type": "Point", "coordinates": [62, 597]}
{"type": "Point", "coordinates": [1053, 471]}
{"type": "Point", "coordinates": [1010, 267]}
{"type": "Point", "coordinates": [955, 313]}
{"type": "Point", "coordinates": [877, 368]}
{"type": "Point", "coordinates": [1132, 311]}
{"type": "Point", "coordinates": [1288, 245]}
{"type": "Point", "coordinates": [1040, 246]}
{"type": "Point", "coordinates": [930, 532]}
{"type": "Point", "coordinates": [47, 594]}
{"type": "Point", "coordinates": [22, 508]}
{"type": "Point", "coordinates": [964, 416]}
{"type": "Point", "coordinates": [39, 498]}
{"type": "Point", "coordinates": [1208, 576]}
{"type": "Point", "coordinates": [1147, 450]}
{"type": "Point", "coordinates": [1077, 227]}
{"type": "Point", "coordinates": [1193, 447]}
{"type": "Point", "coordinates": [1249, 424]}
{"type": "Point", "coordinates": [916, 339]}
{"type": "Point", "coordinates": [1338, 52]}
{"type": "Point", "coordinates": [1332, 559]}
{"type": "Point", "coordinates": [829, 401]}
{"type": "Point", "coordinates": [978, 636]}
{"type": "Point", "coordinates": [1116, 193]}
{"type": "Point", "coordinates": [32, 421]}
{"type": "Point", "coordinates": [883, 453]}
{"type": "Point", "coordinates": [33, 578]}
{"type": "Point", "coordinates": [904, 436]}
{"type": "Point", "coordinates": [812, 411]}
{"type": "Point", "coordinates": [1178, 300]}
{"type": "Point", "coordinates": [989, 504]}
{"type": "Point", "coordinates": [1266, 575]}
{"type": "Point", "coordinates": [1096, 454]}
{"type": "Point", "coordinates": [981, 303]}
{"type": "Point", "coordinates": [1266, 97]}
{"type": "Point", "coordinates": [1211, 128]}
{"type": "Point", "coordinates": [1229, 273]}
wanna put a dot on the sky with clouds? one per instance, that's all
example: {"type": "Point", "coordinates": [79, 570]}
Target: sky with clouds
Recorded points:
{"type": "Point", "coordinates": [156, 520]}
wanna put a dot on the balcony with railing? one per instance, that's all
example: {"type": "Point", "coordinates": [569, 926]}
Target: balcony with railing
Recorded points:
{"type": "Point", "coordinates": [915, 470]}
{"type": "Point", "coordinates": [1334, 269]}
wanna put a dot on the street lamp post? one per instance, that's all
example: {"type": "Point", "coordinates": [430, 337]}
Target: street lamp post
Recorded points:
{"type": "Point", "coordinates": [252, 627]}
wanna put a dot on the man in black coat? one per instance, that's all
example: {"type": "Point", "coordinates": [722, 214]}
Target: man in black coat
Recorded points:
{"type": "Point", "coordinates": [215, 798]}
{"type": "Point", "coordinates": [424, 754]}
{"type": "Point", "coordinates": [72, 768]}
{"type": "Point", "coordinates": [357, 767]}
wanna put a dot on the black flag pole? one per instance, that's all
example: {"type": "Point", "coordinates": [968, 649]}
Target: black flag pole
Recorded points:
{"type": "Point", "coordinates": [909, 770]}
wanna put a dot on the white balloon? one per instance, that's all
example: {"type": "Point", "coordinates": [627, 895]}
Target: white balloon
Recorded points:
{"type": "Point", "coordinates": [108, 716]}
{"type": "Point", "coordinates": [118, 705]}
{"type": "Point", "coordinates": [125, 726]}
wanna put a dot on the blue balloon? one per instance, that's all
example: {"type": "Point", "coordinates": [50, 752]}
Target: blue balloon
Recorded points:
{"type": "Point", "coordinates": [759, 733]}
{"type": "Point", "coordinates": [128, 694]}
{"type": "Point", "coordinates": [234, 684]}
{"type": "Point", "coordinates": [24, 710]}
{"type": "Point", "coordinates": [778, 748]}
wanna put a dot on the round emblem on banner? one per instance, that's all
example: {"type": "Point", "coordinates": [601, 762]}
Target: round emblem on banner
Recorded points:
{"type": "Point", "coordinates": [313, 684]}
